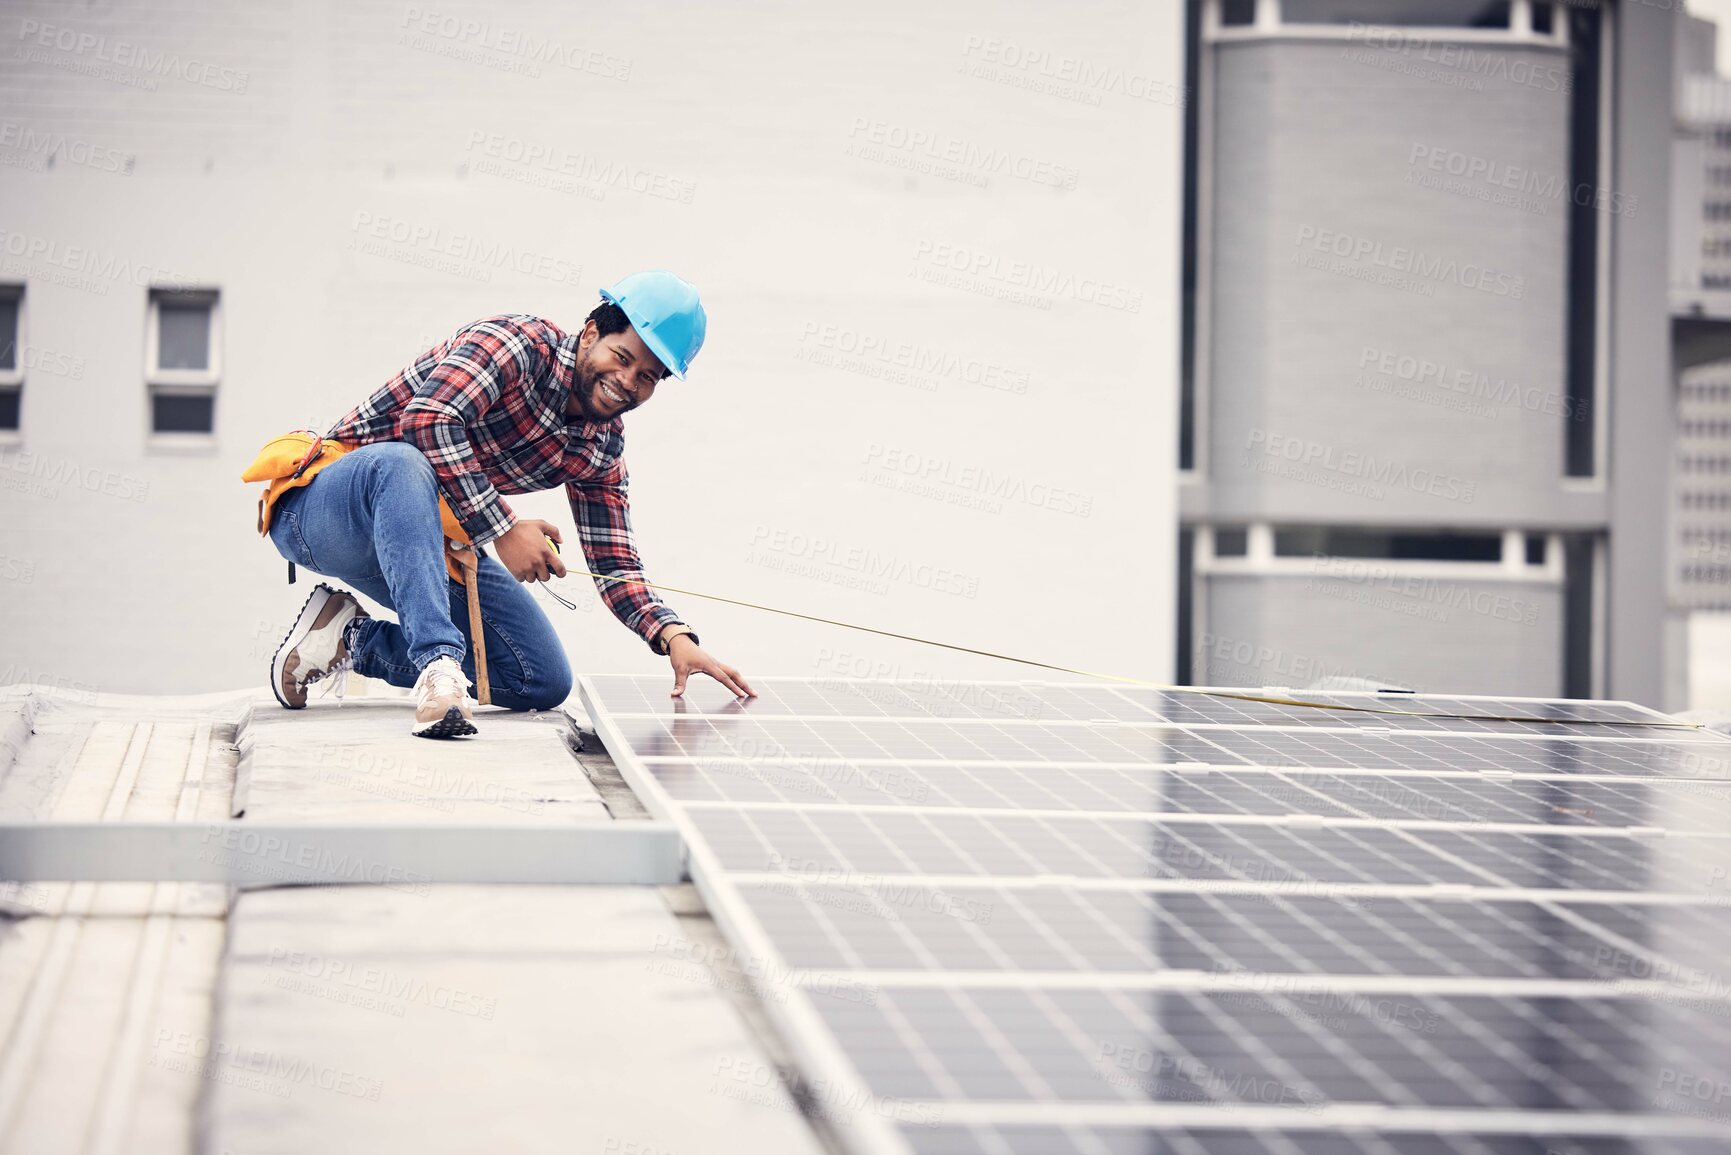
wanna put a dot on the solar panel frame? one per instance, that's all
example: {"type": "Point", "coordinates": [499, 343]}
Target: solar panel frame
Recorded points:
{"type": "Point", "coordinates": [1009, 702]}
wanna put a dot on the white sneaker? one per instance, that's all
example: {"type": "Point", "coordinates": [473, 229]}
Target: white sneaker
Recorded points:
{"type": "Point", "coordinates": [314, 648]}
{"type": "Point", "coordinates": [442, 701]}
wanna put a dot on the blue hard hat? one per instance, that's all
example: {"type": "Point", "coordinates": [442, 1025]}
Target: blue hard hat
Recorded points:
{"type": "Point", "coordinates": [667, 314]}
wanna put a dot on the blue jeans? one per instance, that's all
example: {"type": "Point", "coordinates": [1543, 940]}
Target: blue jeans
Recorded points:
{"type": "Point", "coordinates": [370, 519]}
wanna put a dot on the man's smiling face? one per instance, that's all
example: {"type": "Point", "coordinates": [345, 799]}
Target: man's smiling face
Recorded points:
{"type": "Point", "coordinates": [614, 373]}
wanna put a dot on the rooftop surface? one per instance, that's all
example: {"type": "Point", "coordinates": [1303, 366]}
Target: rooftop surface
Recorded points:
{"type": "Point", "coordinates": [400, 1017]}
{"type": "Point", "coordinates": [1018, 918]}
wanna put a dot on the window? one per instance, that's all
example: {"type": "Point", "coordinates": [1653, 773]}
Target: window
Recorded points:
{"type": "Point", "coordinates": [1423, 13]}
{"type": "Point", "coordinates": [1183, 667]}
{"type": "Point", "coordinates": [1586, 224]}
{"type": "Point", "coordinates": [1306, 541]}
{"type": "Point", "coordinates": [1231, 541]}
{"type": "Point", "coordinates": [11, 358]}
{"type": "Point", "coordinates": [1581, 565]}
{"type": "Point", "coordinates": [1478, 20]}
{"type": "Point", "coordinates": [183, 361]}
{"type": "Point", "coordinates": [1536, 548]}
{"type": "Point", "coordinates": [1237, 12]}
{"type": "Point", "coordinates": [1189, 253]}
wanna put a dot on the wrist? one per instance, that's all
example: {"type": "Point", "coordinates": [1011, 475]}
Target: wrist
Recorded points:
{"type": "Point", "coordinates": [662, 643]}
{"type": "Point", "coordinates": [480, 540]}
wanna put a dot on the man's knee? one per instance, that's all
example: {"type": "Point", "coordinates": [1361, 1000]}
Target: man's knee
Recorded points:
{"type": "Point", "coordinates": [551, 684]}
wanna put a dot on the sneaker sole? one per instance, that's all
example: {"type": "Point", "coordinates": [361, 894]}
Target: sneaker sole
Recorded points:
{"type": "Point", "coordinates": [304, 620]}
{"type": "Point", "coordinates": [452, 725]}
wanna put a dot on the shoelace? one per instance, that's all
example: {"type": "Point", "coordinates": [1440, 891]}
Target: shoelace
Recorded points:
{"type": "Point", "coordinates": [338, 676]}
{"type": "Point", "coordinates": [339, 671]}
{"type": "Point", "coordinates": [442, 676]}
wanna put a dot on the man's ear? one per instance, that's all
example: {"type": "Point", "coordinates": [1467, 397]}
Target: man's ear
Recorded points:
{"type": "Point", "coordinates": [587, 338]}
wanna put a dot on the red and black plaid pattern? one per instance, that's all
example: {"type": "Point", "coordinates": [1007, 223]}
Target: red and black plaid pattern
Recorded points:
{"type": "Point", "coordinates": [487, 407]}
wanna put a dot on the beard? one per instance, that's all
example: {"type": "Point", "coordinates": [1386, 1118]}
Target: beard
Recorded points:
{"type": "Point", "coordinates": [585, 394]}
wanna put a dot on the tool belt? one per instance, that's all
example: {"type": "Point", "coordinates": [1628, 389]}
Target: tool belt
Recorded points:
{"type": "Point", "coordinates": [294, 459]}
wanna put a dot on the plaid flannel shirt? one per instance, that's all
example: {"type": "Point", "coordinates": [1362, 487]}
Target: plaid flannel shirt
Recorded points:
{"type": "Point", "coordinates": [487, 408]}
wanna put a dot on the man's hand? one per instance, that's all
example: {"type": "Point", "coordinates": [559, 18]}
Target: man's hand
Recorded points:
{"type": "Point", "coordinates": [687, 656]}
{"type": "Point", "coordinates": [523, 550]}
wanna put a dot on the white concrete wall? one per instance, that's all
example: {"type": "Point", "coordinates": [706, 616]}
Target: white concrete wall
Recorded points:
{"type": "Point", "coordinates": [280, 147]}
{"type": "Point", "coordinates": [1709, 678]}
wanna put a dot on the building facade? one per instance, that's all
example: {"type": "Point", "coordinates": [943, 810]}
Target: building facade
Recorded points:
{"type": "Point", "coordinates": [1701, 283]}
{"type": "Point", "coordinates": [1425, 433]}
{"type": "Point", "coordinates": [942, 300]}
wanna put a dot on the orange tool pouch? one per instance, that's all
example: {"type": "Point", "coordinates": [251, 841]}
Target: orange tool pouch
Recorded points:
{"type": "Point", "coordinates": [294, 459]}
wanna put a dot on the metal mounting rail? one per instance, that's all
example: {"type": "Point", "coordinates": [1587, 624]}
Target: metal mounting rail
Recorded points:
{"type": "Point", "coordinates": [397, 855]}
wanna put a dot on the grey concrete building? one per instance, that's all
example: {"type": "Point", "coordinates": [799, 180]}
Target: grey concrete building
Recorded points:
{"type": "Point", "coordinates": [1425, 433]}
{"type": "Point", "coordinates": [1701, 283]}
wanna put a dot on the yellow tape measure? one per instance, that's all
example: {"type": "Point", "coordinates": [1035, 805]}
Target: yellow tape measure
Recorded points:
{"type": "Point", "coordinates": [1266, 699]}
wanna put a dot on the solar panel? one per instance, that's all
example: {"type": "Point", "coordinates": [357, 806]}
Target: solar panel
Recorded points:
{"type": "Point", "coordinates": [1034, 1139]}
{"type": "Point", "coordinates": [928, 741]}
{"type": "Point", "coordinates": [1027, 917]}
{"type": "Point", "coordinates": [1051, 702]}
{"type": "Point", "coordinates": [1558, 801]}
{"type": "Point", "coordinates": [1009, 702]}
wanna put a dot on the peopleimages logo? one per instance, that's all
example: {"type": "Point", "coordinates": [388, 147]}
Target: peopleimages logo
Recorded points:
{"type": "Point", "coordinates": [57, 146]}
{"type": "Point", "coordinates": [1046, 282]}
{"type": "Point", "coordinates": [1072, 77]}
{"type": "Point", "coordinates": [1311, 460]}
{"type": "Point", "coordinates": [79, 266]}
{"type": "Point", "coordinates": [1423, 593]}
{"type": "Point", "coordinates": [464, 254]}
{"type": "Point", "coordinates": [1469, 384]}
{"type": "Point", "coordinates": [974, 159]}
{"type": "Point", "coordinates": [126, 54]}
{"type": "Point", "coordinates": [925, 474]}
{"type": "Point", "coordinates": [865, 563]}
{"type": "Point", "coordinates": [552, 161]}
{"type": "Point", "coordinates": [1493, 62]}
{"type": "Point", "coordinates": [1520, 179]}
{"type": "Point", "coordinates": [526, 46]}
{"type": "Point", "coordinates": [1413, 262]}
{"type": "Point", "coordinates": [43, 475]}
{"type": "Point", "coordinates": [856, 350]}
{"type": "Point", "coordinates": [1243, 658]}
